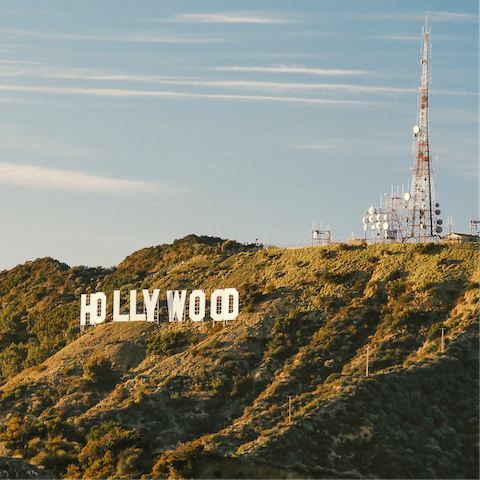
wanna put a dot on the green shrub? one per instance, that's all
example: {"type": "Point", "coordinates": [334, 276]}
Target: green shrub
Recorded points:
{"type": "Point", "coordinates": [181, 463]}
{"type": "Point", "coordinates": [12, 359]}
{"type": "Point", "coordinates": [98, 370]}
{"type": "Point", "coordinates": [425, 248]}
{"type": "Point", "coordinates": [166, 343]}
{"type": "Point", "coordinates": [332, 377]}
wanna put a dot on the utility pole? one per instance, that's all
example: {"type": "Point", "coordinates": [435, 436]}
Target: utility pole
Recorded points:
{"type": "Point", "coordinates": [366, 370]}
{"type": "Point", "coordinates": [290, 409]}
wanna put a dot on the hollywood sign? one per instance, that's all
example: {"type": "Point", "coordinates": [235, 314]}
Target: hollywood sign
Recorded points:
{"type": "Point", "coordinates": [224, 306]}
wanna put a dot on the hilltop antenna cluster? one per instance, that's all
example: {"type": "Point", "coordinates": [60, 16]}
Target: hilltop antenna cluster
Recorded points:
{"type": "Point", "coordinates": [386, 223]}
{"type": "Point", "coordinates": [474, 223]}
{"type": "Point", "coordinates": [320, 236]}
{"type": "Point", "coordinates": [422, 224]}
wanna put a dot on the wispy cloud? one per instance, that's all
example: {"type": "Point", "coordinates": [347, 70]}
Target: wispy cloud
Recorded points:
{"type": "Point", "coordinates": [416, 17]}
{"type": "Point", "coordinates": [49, 178]}
{"type": "Point", "coordinates": [112, 93]}
{"type": "Point", "coordinates": [453, 17]}
{"type": "Point", "coordinates": [284, 87]}
{"type": "Point", "coordinates": [230, 17]}
{"type": "Point", "coordinates": [452, 92]}
{"type": "Point", "coordinates": [73, 73]}
{"type": "Point", "coordinates": [352, 146]}
{"type": "Point", "coordinates": [293, 69]}
{"type": "Point", "coordinates": [21, 62]}
{"type": "Point", "coordinates": [145, 37]}
{"type": "Point", "coordinates": [403, 38]}
{"type": "Point", "coordinates": [418, 38]}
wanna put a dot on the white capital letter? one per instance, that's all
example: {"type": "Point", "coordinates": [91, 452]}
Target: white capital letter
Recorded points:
{"type": "Point", "coordinates": [150, 303]}
{"type": "Point", "coordinates": [117, 316]}
{"type": "Point", "coordinates": [216, 306]}
{"type": "Point", "coordinates": [196, 311]}
{"type": "Point", "coordinates": [92, 308]}
{"type": "Point", "coordinates": [176, 305]}
{"type": "Point", "coordinates": [134, 316]}
{"type": "Point", "coordinates": [230, 300]}
{"type": "Point", "coordinates": [224, 305]}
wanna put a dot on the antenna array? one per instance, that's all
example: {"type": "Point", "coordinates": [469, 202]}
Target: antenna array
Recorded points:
{"type": "Point", "coordinates": [422, 224]}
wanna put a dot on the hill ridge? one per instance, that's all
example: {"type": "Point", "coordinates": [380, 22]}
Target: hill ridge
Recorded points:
{"type": "Point", "coordinates": [132, 398]}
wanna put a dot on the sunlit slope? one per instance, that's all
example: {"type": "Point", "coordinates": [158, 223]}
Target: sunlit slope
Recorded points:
{"type": "Point", "coordinates": [307, 318]}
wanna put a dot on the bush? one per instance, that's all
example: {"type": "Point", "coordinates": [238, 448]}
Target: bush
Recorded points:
{"type": "Point", "coordinates": [425, 248]}
{"type": "Point", "coordinates": [12, 359]}
{"type": "Point", "coordinates": [98, 370]}
{"type": "Point", "coordinates": [166, 343]}
{"type": "Point", "coordinates": [111, 452]}
{"type": "Point", "coordinates": [331, 378]}
{"type": "Point", "coordinates": [180, 463]}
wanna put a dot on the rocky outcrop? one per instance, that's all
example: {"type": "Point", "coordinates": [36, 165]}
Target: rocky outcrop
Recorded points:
{"type": "Point", "coordinates": [16, 468]}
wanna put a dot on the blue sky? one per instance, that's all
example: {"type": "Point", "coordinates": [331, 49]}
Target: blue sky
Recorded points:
{"type": "Point", "coordinates": [130, 124]}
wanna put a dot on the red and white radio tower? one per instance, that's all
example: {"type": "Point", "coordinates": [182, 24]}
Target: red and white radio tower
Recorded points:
{"type": "Point", "coordinates": [422, 222]}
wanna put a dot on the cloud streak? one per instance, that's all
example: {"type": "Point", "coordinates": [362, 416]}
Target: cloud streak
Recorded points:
{"type": "Point", "coordinates": [282, 86]}
{"type": "Point", "coordinates": [144, 37]}
{"type": "Point", "coordinates": [292, 69]}
{"type": "Point", "coordinates": [56, 179]}
{"type": "Point", "coordinates": [453, 17]}
{"type": "Point", "coordinates": [115, 93]}
{"type": "Point", "coordinates": [435, 16]}
{"type": "Point", "coordinates": [230, 17]}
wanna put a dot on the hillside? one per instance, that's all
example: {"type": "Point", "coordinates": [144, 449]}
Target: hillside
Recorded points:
{"type": "Point", "coordinates": [164, 400]}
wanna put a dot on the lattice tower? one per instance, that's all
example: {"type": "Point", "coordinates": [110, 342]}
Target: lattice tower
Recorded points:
{"type": "Point", "coordinates": [422, 223]}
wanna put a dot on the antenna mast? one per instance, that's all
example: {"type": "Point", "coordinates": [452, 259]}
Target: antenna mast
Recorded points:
{"type": "Point", "coordinates": [422, 223]}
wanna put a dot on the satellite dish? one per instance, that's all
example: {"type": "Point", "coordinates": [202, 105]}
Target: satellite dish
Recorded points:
{"type": "Point", "coordinates": [385, 217]}
{"type": "Point", "coordinates": [421, 225]}
{"type": "Point", "coordinates": [315, 234]}
{"type": "Point", "coordinates": [372, 227]}
{"type": "Point", "coordinates": [416, 130]}
{"type": "Point", "coordinates": [371, 210]}
{"type": "Point", "coordinates": [407, 197]}
{"type": "Point", "coordinates": [386, 225]}
{"type": "Point", "coordinates": [439, 229]}
{"type": "Point", "coordinates": [371, 218]}
{"type": "Point", "coordinates": [378, 217]}
{"type": "Point", "coordinates": [378, 225]}
{"type": "Point", "coordinates": [439, 221]}
{"type": "Point", "coordinates": [365, 228]}
{"type": "Point", "coordinates": [438, 212]}
{"type": "Point", "coordinates": [404, 204]}
{"type": "Point", "coordinates": [437, 204]}
{"type": "Point", "coordinates": [364, 220]}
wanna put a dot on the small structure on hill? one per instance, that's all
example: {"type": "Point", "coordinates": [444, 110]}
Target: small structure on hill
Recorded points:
{"type": "Point", "coordinates": [453, 237]}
